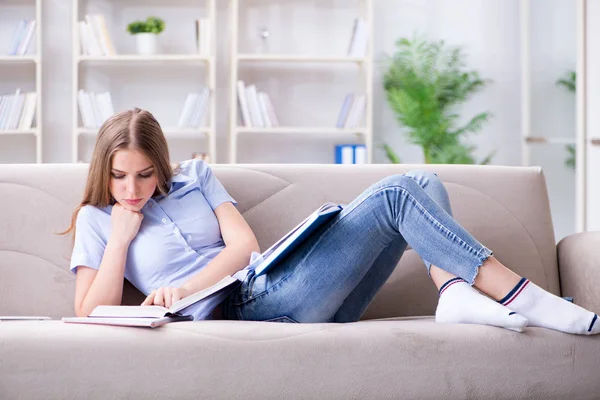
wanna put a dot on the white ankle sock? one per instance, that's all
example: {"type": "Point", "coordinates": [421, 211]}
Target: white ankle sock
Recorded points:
{"type": "Point", "coordinates": [546, 310]}
{"type": "Point", "coordinates": [460, 303]}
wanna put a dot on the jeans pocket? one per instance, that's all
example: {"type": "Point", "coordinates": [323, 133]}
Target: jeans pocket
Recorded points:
{"type": "Point", "coordinates": [283, 318]}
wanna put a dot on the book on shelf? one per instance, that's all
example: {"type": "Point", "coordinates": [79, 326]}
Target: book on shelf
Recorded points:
{"type": "Point", "coordinates": [22, 38]}
{"type": "Point", "coordinates": [94, 108]}
{"type": "Point", "coordinates": [256, 108]}
{"type": "Point", "coordinates": [360, 39]}
{"type": "Point", "coordinates": [351, 154]}
{"type": "Point", "coordinates": [195, 109]}
{"type": "Point", "coordinates": [17, 110]}
{"type": "Point", "coordinates": [94, 37]}
{"type": "Point", "coordinates": [203, 37]}
{"type": "Point", "coordinates": [353, 111]}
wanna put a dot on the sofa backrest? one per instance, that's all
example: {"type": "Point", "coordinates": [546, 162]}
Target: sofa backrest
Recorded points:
{"type": "Point", "coordinates": [506, 208]}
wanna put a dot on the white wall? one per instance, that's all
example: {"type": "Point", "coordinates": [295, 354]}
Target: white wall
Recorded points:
{"type": "Point", "coordinates": [488, 30]}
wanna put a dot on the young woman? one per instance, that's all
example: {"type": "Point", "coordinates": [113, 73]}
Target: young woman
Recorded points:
{"type": "Point", "coordinates": [172, 232]}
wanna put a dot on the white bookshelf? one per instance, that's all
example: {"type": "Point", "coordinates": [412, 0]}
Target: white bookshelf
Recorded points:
{"type": "Point", "coordinates": [278, 60]}
{"type": "Point", "coordinates": [206, 66]}
{"type": "Point", "coordinates": [8, 61]}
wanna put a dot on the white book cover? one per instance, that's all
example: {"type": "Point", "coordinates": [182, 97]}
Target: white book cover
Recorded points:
{"type": "Point", "coordinates": [29, 31]}
{"type": "Point", "coordinates": [347, 155]}
{"type": "Point", "coordinates": [360, 154]}
{"type": "Point", "coordinates": [96, 47]}
{"type": "Point", "coordinates": [12, 110]}
{"type": "Point", "coordinates": [5, 116]}
{"type": "Point", "coordinates": [243, 102]}
{"type": "Point", "coordinates": [105, 39]}
{"type": "Point", "coordinates": [353, 110]}
{"type": "Point", "coordinates": [188, 109]}
{"type": "Point", "coordinates": [343, 115]}
{"type": "Point", "coordinates": [85, 109]}
{"type": "Point", "coordinates": [359, 45]}
{"type": "Point", "coordinates": [252, 98]}
{"type": "Point", "coordinates": [4, 101]}
{"type": "Point", "coordinates": [271, 111]}
{"type": "Point", "coordinates": [95, 109]}
{"type": "Point", "coordinates": [357, 112]}
{"type": "Point", "coordinates": [26, 121]}
{"type": "Point", "coordinates": [17, 37]}
{"type": "Point", "coordinates": [200, 108]}
{"type": "Point", "coordinates": [105, 105]}
{"type": "Point", "coordinates": [84, 39]}
{"type": "Point", "coordinates": [16, 115]}
{"type": "Point", "coordinates": [262, 104]}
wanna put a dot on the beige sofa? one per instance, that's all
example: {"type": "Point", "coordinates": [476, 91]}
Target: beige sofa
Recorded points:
{"type": "Point", "coordinates": [396, 352]}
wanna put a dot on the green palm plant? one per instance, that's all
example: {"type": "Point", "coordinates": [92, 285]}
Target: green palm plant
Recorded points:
{"type": "Point", "coordinates": [424, 83]}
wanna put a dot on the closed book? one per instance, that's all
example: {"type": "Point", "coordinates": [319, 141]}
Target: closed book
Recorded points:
{"type": "Point", "coordinates": [96, 46]}
{"type": "Point", "coordinates": [105, 39]}
{"type": "Point", "coordinates": [284, 246]}
{"type": "Point", "coordinates": [188, 110]}
{"type": "Point", "coordinates": [202, 103]}
{"type": "Point", "coordinates": [12, 112]}
{"type": "Point", "coordinates": [360, 154]}
{"type": "Point", "coordinates": [252, 98]}
{"type": "Point", "coordinates": [29, 108]}
{"type": "Point", "coordinates": [5, 113]}
{"type": "Point", "coordinates": [17, 37]}
{"type": "Point", "coordinates": [343, 115]}
{"type": "Point", "coordinates": [263, 110]}
{"type": "Point", "coordinates": [271, 111]}
{"type": "Point", "coordinates": [243, 102]}
{"type": "Point", "coordinates": [29, 31]}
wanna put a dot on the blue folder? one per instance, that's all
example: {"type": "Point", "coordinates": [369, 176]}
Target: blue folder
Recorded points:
{"type": "Point", "coordinates": [284, 246]}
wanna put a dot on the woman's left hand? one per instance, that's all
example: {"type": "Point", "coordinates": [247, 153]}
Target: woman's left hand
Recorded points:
{"type": "Point", "coordinates": [165, 296]}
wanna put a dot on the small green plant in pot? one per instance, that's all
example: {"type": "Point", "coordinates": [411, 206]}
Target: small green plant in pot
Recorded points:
{"type": "Point", "coordinates": [424, 83]}
{"type": "Point", "coordinates": [145, 33]}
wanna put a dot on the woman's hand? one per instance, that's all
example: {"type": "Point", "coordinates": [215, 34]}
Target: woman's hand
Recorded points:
{"type": "Point", "coordinates": [165, 296]}
{"type": "Point", "coordinates": [125, 223]}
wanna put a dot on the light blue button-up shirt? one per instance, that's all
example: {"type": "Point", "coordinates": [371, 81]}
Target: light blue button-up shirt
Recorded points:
{"type": "Point", "coordinates": [178, 236]}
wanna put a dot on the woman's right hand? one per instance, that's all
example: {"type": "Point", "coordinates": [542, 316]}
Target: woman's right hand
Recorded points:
{"type": "Point", "coordinates": [125, 223]}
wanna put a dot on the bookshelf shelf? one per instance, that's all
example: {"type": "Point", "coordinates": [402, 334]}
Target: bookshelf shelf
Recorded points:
{"type": "Point", "coordinates": [303, 130]}
{"type": "Point", "coordinates": [258, 61]}
{"type": "Point", "coordinates": [21, 132]}
{"type": "Point", "coordinates": [27, 59]}
{"type": "Point", "coordinates": [168, 131]}
{"type": "Point", "coordinates": [136, 57]}
{"type": "Point", "coordinates": [20, 59]}
{"type": "Point", "coordinates": [203, 65]}
{"type": "Point", "coordinates": [299, 58]}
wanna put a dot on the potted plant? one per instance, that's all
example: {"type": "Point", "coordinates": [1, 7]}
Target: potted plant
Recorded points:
{"type": "Point", "coordinates": [145, 33]}
{"type": "Point", "coordinates": [425, 81]}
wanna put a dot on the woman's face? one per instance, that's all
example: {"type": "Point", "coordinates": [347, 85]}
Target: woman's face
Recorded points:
{"type": "Point", "coordinates": [132, 179]}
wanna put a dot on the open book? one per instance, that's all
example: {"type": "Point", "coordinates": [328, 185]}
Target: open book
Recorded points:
{"type": "Point", "coordinates": [153, 316]}
{"type": "Point", "coordinates": [296, 236]}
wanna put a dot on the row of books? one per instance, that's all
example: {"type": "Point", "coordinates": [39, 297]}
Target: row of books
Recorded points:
{"type": "Point", "coordinates": [94, 37]}
{"type": "Point", "coordinates": [256, 108]}
{"type": "Point", "coordinates": [95, 108]}
{"type": "Point", "coordinates": [203, 36]}
{"type": "Point", "coordinates": [351, 154]}
{"type": "Point", "coordinates": [22, 38]}
{"type": "Point", "coordinates": [195, 109]}
{"type": "Point", "coordinates": [352, 111]}
{"type": "Point", "coordinates": [17, 110]}
{"type": "Point", "coordinates": [360, 38]}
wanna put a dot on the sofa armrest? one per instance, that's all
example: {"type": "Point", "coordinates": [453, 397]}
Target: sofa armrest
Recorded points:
{"type": "Point", "coordinates": [579, 269]}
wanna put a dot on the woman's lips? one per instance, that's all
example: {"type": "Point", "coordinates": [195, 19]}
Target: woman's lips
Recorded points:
{"type": "Point", "coordinates": [133, 202]}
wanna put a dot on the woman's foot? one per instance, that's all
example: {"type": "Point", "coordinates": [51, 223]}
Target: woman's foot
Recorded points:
{"type": "Point", "coordinates": [460, 303]}
{"type": "Point", "coordinates": [546, 310]}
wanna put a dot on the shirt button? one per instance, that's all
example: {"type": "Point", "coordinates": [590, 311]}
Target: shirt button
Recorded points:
{"type": "Point", "coordinates": [164, 220]}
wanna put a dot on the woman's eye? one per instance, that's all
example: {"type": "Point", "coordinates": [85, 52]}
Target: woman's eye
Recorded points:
{"type": "Point", "coordinates": [146, 176]}
{"type": "Point", "coordinates": [118, 176]}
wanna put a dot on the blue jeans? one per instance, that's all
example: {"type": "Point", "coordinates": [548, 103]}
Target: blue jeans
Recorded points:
{"type": "Point", "coordinates": [335, 274]}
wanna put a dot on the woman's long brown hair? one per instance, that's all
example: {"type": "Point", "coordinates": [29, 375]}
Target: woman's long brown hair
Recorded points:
{"type": "Point", "coordinates": [135, 130]}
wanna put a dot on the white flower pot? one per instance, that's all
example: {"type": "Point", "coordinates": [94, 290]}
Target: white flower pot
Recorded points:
{"type": "Point", "coordinates": [146, 43]}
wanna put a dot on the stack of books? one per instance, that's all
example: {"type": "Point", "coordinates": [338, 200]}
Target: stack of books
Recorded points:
{"type": "Point", "coordinates": [95, 108]}
{"type": "Point", "coordinates": [350, 154]}
{"type": "Point", "coordinates": [203, 36]}
{"type": "Point", "coordinates": [94, 37]}
{"type": "Point", "coordinates": [22, 38]}
{"type": "Point", "coordinates": [353, 111]}
{"type": "Point", "coordinates": [360, 39]}
{"type": "Point", "coordinates": [195, 110]}
{"type": "Point", "coordinates": [17, 110]}
{"type": "Point", "coordinates": [256, 108]}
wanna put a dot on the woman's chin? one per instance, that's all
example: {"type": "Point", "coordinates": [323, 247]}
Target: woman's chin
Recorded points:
{"type": "Point", "coordinates": [133, 207]}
